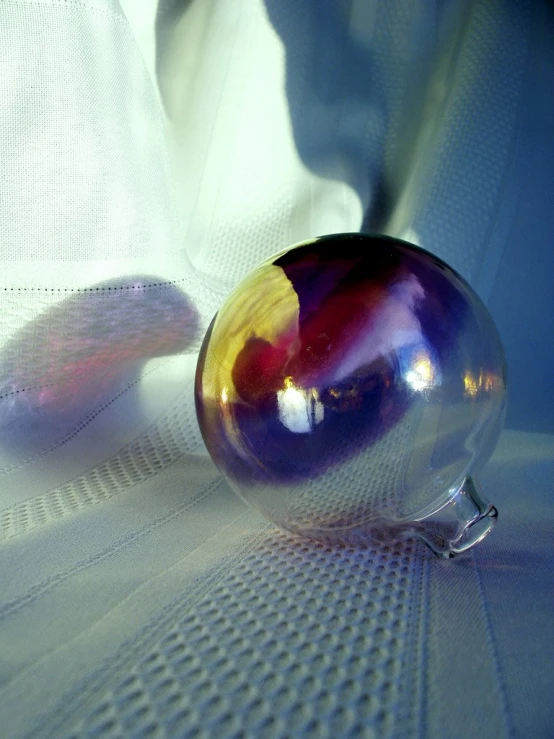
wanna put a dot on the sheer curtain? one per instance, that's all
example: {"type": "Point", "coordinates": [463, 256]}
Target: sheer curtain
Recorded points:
{"type": "Point", "coordinates": [151, 154]}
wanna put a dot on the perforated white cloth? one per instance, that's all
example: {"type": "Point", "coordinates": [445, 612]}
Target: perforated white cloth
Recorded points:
{"type": "Point", "coordinates": [151, 153]}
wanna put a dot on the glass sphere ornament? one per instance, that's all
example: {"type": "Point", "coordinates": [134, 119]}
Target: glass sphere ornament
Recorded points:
{"type": "Point", "coordinates": [350, 388]}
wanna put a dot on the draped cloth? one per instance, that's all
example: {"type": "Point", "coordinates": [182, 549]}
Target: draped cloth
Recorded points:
{"type": "Point", "coordinates": [151, 154]}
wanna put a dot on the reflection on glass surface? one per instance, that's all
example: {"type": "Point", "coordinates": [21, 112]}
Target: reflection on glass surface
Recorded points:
{"type": "Point", "coordinates": [299, 410]}
{"type": "Point", "coordinates": [350, 387]}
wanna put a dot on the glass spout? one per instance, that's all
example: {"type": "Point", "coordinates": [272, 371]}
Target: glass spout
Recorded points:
{"type": "Point", "coordinates": [461, 523]}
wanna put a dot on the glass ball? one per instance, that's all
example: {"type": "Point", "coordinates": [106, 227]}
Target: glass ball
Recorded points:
{"type": "Point", "coordinates": [350, 388]}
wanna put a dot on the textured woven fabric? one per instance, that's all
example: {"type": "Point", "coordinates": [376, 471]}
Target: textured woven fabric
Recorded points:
{"type": "Point", "coordinates": [296, 639]}
{"type": "Point", "coordinates": [151, 154]}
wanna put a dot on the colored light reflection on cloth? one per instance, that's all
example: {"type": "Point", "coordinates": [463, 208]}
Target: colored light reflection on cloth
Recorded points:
{"type": "Point", "coordinates": [73, 355]}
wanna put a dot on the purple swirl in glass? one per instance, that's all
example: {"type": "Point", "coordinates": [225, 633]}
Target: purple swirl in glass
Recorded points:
{"type": "Point", "coordinates": [350, 388]}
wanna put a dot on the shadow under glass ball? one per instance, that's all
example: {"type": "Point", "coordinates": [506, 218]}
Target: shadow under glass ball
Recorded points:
{"type": "Point", "coordinates": [350, 388]}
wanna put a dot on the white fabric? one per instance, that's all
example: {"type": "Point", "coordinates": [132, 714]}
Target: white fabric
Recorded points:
{"type": "Point", "coordinates": [150, 156]}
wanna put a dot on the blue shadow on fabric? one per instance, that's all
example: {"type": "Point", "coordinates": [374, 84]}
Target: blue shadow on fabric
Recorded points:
{"type": "Point", "coordinates": [82, 352]}
{"type": "Point", "coordinates": [349, 78]}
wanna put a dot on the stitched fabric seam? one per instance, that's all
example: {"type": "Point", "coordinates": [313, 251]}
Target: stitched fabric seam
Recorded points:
{"type": "Point", "coordinates": [75, 701]}
{"type": "Point", "coordinates": [42, 588]}
{"type": "Point", "coordinates": [422, 727]}
{"type": "Point", "coordinates": [494, 651]}
{"type": "Point", "coordinates": [98, 290]}
{"type": "Point", "coordinates": [77, 430]}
